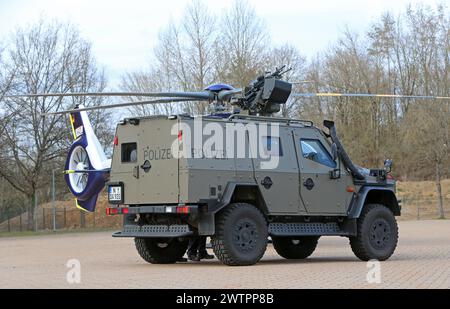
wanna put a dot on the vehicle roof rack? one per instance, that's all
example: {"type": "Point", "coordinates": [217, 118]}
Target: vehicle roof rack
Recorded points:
{"type": "Point", "coordinates": [288, 121]}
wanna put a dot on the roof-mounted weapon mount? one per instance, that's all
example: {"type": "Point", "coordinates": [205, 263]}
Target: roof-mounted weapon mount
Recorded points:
{"type": "Point", "coordinates": [265, 95]}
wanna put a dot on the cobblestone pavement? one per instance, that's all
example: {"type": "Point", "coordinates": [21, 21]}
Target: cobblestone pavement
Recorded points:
{"type": "Point", "coordinates": [422, 260]}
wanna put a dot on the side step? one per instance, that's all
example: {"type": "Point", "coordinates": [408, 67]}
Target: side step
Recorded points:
{"type": "Point", "coordinates": [310, 229]}
{"type": "Point", "coordinates": [154, 231]}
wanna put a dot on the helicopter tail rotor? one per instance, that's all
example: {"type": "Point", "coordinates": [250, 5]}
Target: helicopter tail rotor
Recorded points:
{"type": "Point", "coordinates": [87, 168]}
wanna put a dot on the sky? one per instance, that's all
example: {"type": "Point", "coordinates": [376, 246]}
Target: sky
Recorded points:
{"type": "Point", "coordinates": [124, 32]}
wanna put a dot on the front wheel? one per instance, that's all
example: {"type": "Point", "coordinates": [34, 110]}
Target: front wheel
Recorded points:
{"type": "Point", "coordinates": [241, 235]}
{"type": "Point", "coordinates": [161, 250]}
{"type": "Point", "coordinates": [377, 235]}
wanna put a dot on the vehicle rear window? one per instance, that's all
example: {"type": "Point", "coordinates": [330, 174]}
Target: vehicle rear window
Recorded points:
{"type": "Point", "coordinates": [129, 152]}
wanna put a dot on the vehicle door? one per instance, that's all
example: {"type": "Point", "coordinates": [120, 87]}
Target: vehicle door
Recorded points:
{"type": "Point", "coordinates": [319, 192]}
{"type": "Point", "coordinates": [277, 173]}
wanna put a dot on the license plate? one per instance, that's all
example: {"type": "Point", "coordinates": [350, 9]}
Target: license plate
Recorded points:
{"type": "Point", "coordinates": [115, 194]}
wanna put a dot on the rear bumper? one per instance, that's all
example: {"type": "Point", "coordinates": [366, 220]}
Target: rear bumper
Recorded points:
{"type": "Point", "coordinates": [132, 228]}
{"type": "Point", "coordinates": [154, 231]}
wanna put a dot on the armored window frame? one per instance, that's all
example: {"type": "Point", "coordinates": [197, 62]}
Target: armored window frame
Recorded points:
{"type": "Point", "coordinates": [324, 156]}
{"type": "Point", "coordinates": [129, 152]}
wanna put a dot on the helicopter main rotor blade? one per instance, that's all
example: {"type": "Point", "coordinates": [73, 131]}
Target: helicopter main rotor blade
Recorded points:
{"type": "Point", "coordinates": [166, 100]}
{"type": "Point", "coordinates": [367, 95]}
{"type": "Point", "coordinates": [188, 95]}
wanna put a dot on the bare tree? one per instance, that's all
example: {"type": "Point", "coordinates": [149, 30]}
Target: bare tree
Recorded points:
{"type": "Point", "coordinates": [170, 52]}
{"type": "Point", "coordinates": [185, 58]}
{"type": "Point", "coordinates": [7, 197]}
{"type": "Point", "coordinates": [406, 55]}
{"type": "Point", "coordinates": [200, 31]}
{"type": "Point", "coordinates": [193, 54]}
{"type": "Point", "coordinates": [244, 44]}
{"type": "Point", "coordinates": [428, 129]}
{"type": "Point", "coordinates": [290, 56]}
{"type": "Point", "coordinates": [151, 81]}
{"type": "Point", "coordinates": [2, 121]}
{"type": "Point", "coordinates": [47, 57]}
{"type": "Point", "coordinates": [347, 67]}
{"type": "Point", "coordinates": [429, 123]}
{"type": "Point", "coordinates": [6, 83]}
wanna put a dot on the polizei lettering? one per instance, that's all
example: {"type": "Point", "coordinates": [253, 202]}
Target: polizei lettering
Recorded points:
{"type": "Point", "coordinates": [157, 154]}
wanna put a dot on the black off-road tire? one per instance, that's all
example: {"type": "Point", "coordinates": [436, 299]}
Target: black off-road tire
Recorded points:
{"type": "Point", "coordinates": [241, 235]}
{"type": "Point", "coordinates": [295, 247]}
{"type": "Point", "coordinates": [377, 234]}
{"type": "Point", "coordinates": [161, 250]}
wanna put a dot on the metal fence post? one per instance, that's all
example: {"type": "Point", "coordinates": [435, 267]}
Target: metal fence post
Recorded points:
{"type": "Point", "coordinates": [82, 219]}
{"type": "Point", "coordinates": [20, 222]}
{"type": "Point", "coordinates": [65, 218]}
{"type": "Point", "coordinates": [9, 224]}
{"type": "Point", "coordinates": [53, 200]}
{"type": "Point", "coordinates": [35, 212]}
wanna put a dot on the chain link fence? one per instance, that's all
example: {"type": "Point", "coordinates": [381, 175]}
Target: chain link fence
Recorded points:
{"type": "Point", "coordinates": [423, 209]}
{"type": "Point", "coordinates": [47, 219]}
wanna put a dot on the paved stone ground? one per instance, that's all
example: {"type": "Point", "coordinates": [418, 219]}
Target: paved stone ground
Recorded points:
{"type": "Point", "coordinates": [422, 260]}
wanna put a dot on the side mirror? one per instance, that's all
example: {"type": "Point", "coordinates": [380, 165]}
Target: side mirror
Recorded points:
{"type": "Point", "coordinates": [334, 151]}
{"type": "Point", "coordinates": [336, 173]}
{"type": "Point", "coordinates": [388, 165]}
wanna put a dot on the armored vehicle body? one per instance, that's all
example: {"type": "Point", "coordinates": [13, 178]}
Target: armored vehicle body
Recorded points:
{"type": "Point", "coordinates": [263, 176]}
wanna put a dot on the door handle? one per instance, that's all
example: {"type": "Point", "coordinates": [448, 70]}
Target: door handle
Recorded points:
{"type": "Point", "coordinates": [267, 183]}
{"type": "Point", "coordinates": [146, 166]}
{"type": "Point", "coordinates": [309, 184]}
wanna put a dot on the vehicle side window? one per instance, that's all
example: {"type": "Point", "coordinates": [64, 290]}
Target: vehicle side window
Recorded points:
{"type": "Point", "coordinates": [313, 149]}
{"type": "Point", "coordinates": [272, 146]}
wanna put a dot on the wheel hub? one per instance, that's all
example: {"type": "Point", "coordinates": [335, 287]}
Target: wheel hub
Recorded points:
{"type": "Point", "coordinates": [81, 166]}
{"type": "Point", "coordinates": [245, 235]}
{"type": "Point", "coordinates": [380, 233]}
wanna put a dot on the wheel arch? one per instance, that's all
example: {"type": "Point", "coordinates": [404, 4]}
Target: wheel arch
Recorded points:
{"type": "Point", "coordinates": [375, 195]}
{"type": "Point", "coordinates": [237, 192]}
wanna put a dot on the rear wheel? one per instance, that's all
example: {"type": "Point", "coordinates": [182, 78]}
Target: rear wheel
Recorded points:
{"type": "Point", "coordinates": [295, 247]}
{"type": "Point", "coordinates": [241, 235]}
{"type": "Point", "coordinates": [377, 234]}
{"type": "Point", "coordinates": [161, 250]}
